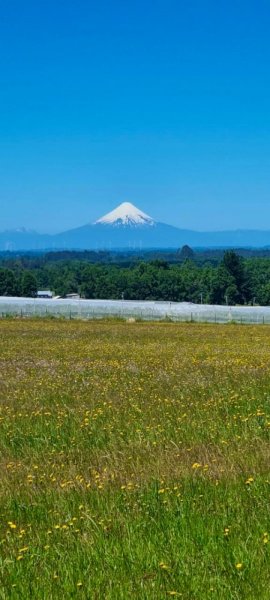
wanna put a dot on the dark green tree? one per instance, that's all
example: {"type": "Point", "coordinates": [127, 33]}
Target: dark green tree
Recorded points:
{"type": "Point", "coordinates": [230, 284]}
{"type": "Point", "coordinates": [233, 263]}
{"type": "Point", "coordinates": [224, 289]}
{"type": "Point", "coordinates": [186, 252]}
{"type": "Point", "coordinates": [8, 283]}
{"type": "Point", "coordinates": [29, 285]}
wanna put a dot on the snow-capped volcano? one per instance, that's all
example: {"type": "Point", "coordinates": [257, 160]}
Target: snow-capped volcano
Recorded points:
{"type": "Point", "coordinates": [127, 215]}
{"type": "Point", "coordinates": [128, 227]}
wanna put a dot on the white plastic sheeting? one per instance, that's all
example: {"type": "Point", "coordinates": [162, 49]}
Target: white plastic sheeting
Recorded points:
{"type": "Point", "coordinates": [146, 310]}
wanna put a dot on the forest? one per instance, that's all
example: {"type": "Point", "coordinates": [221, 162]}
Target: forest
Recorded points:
{"type": "Point", "coordinates": [226, 278]}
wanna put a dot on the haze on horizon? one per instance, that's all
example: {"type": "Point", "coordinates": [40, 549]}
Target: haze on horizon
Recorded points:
{"type": "Point", "coordinates": [163, 104]}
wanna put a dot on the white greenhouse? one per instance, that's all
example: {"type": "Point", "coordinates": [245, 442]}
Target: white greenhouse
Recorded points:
{"type": "Point", "coordinates": [127, 309]}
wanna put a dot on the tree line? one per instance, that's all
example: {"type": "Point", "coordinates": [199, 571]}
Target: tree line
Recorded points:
{"type": "Point", "coordinates": [234, 280]}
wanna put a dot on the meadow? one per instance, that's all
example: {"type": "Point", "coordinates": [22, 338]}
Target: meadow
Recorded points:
{"type": "Point", "coordinates": [134, 460]}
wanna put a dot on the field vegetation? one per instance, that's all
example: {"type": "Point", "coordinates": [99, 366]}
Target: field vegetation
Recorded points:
{"type": "Point", "coordinates": [134, 460]}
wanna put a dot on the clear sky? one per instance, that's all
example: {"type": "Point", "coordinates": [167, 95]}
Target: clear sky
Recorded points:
{"type": "Point", "coordinates": [165, 104]}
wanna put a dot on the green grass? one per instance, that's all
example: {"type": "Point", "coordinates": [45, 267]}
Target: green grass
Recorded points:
{"type": "Point", "coordinates": [134, 460]}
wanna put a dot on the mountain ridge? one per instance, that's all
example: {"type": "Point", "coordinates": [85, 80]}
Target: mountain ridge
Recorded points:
{"type": "Point", "coordinates": [129, 227]}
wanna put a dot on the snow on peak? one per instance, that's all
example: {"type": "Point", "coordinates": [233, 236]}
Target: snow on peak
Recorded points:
{"type": "Point", "coordinates": [126, 214]}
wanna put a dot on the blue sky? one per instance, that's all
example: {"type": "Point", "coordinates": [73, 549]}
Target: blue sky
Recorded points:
{"type": "Point", "coordinates": [163, 103]}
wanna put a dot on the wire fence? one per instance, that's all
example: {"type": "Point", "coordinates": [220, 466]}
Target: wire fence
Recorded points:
{"type": "Point", "coordinates": [129, 309]}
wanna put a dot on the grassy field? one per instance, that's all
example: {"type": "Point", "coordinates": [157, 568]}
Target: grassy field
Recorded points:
{"type": "Point", "coordinates": [135, 461]}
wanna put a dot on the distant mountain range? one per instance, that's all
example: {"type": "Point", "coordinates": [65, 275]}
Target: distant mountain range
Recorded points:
{"type": "Point", "coordinates": [129, 227]}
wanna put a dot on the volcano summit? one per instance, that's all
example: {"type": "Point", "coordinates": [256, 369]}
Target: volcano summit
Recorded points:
{"type": "Point", "coordinates": [126, 215]}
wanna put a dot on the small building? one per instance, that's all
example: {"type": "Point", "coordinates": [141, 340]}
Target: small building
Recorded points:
{"type": "Point", "coordinates": [44, 294]}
